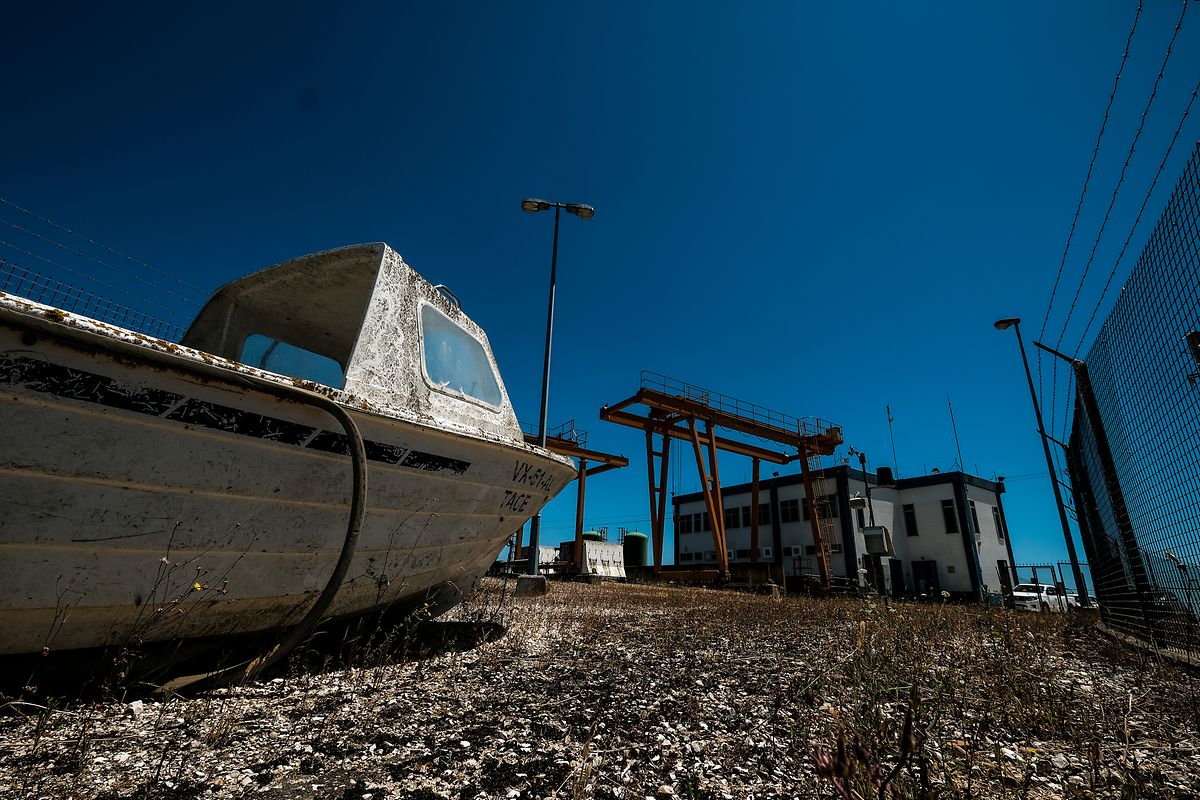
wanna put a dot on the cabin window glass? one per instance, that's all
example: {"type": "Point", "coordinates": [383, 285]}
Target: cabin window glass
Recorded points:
{"type": "Point", "coordinates": [282, 358]}
{"type": "Point", "coordinates": [455, 362]}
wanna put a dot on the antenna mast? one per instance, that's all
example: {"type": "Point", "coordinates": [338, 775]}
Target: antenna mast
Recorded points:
{"type": "Point", "coordinates": [892, 436]}
{"type": "Point", "coordinates": [954, 427]}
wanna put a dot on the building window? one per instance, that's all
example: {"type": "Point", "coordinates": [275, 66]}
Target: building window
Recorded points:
{"type": "Point", "coordinates": [732, 518]}
{"type": "Point", "coordinates": [789, 511]}
{"type": "Point", "coordinates": [810, 549]}
{"type": "Point", "coordinates": [835, 547]}
{"type": "Point", "coordinates": [764, 514]}
{"type": "Point", "coordinates": [862, 518]}
{"type": "Point", "coordinates": [743, 553]}
{"type": "Point", "coordinates": [746, 521]}
{"type": "Point", "coordinates": [949, 516]}
{"type": "Point", "coordinates": [910, 519]}
{"type": "Point", "coordinates": [974, 515]}
{"type": "Point", "coordinates": [829, 506]}
{"type": "Point", "coordinates": [950, 569]}
{"type": "Point", "coordinates": [685, 523]}
{"type": "Point", "coordinates": [685, 556]}
{"type": "Point", "coordinates": [999, 527]}
{"type": "Point", "coordinates": [704, 526]}
{"type": "Point", "coordinates": [766, 552]}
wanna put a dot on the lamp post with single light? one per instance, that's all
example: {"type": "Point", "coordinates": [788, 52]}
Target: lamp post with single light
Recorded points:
{"type": "Point", "coordinates": [533, 205]}
{"type": "Point", "coordinates": [1080, 586]}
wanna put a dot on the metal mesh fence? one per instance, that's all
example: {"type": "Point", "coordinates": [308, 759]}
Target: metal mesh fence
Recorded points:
{"type": "Point", "coordinates": [45, 289]}
{"type": "Point", "coordinates": [1134, 453]}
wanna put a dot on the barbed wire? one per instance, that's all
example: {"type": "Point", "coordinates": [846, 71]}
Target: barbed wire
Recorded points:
{"type": "Point", "coordinates": [173, 312]}
{"type": "Point", "coordinates": [1111, 204]}
{"type": "Point", "coordinates": [105, 247]}
{"type": "Point", "coordinates": [1154, 183]}
{"type": "Point", "coordinates": [115, 269]}
{"type": "Point", "coordinates": [1086, 180]}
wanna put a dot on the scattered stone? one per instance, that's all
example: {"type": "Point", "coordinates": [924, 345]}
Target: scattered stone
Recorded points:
{"type": "Point", "coordinates": [617, 691]}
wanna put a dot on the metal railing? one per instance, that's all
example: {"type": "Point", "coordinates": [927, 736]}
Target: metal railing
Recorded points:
{"type": "Point", "coordinates": [566, 432]}
{"type": "Point", "coordinates": [805, 426]}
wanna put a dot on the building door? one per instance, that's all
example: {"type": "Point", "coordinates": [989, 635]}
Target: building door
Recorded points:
{"type": "Point", "coordinates": [897, 567]}
{"type": "Point", "coordinates": [1005, 578]}
{"type": "Point", "coordinates": [925, 578]}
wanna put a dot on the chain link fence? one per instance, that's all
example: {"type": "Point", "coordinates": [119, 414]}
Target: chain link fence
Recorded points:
{"type": "Point", "coordinates": [1134, 454]}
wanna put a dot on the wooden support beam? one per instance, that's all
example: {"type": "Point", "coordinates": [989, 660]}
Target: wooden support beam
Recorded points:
{"type": "Point", "coordinates": [602, 468]}
{"type": "Point", "coordinates": [718, 499]}
{"type": "Point", "coordinates": [670, 429]}
{"type": "Point", "coordinates": [820, 442]}
{"type": "Point", "coordinates": [715, 518]}
{"type": "Point", "coordinates": [675, 411]}
{"type": "Point", "coordinates": [580, 492]}
{"type": "Point", "coordinates": [657, 523]}
{"type": "Point", "coordinates": [664, 475]}
{"type": "Point", "coordinates": [565, 447]}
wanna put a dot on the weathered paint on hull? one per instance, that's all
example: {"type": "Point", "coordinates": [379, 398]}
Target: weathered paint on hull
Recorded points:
{"type": "Point", "coordinates": [147, 504]}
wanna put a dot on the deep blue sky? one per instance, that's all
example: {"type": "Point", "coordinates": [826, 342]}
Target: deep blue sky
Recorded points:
{"type": "Point", "coordinates": [819, 207]}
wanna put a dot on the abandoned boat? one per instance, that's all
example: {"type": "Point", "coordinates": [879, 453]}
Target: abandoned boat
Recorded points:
{"type": "Point", "coordinates": [331, 433]}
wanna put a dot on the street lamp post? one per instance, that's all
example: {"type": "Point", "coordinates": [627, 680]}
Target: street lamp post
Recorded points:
{"type": "Point", "coordinates": [532, 206]}
{"type": "Point", "coordinates": [1080, 586]}
{"type": "Point", "coordinates": [876, 573]}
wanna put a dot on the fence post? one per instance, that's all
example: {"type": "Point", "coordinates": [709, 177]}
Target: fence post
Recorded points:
{"type": "Point", "coordinates": [1083, 386]}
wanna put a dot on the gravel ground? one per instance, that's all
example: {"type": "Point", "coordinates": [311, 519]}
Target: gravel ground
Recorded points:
{"type": "Point", "coordinates": [621, 691]}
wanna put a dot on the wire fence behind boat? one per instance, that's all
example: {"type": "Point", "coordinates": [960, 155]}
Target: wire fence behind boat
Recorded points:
{"type": "Point", "coordinates": [22, 282]}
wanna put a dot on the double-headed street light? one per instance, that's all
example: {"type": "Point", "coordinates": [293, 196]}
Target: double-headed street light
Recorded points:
{"type": "Point", "coordinates": [534, 205]}
{"type": "Point", "coordinates": [1080, 586]}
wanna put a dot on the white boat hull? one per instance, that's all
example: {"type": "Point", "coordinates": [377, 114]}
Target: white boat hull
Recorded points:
{"type": "Point", "coordinates": [150, 503]}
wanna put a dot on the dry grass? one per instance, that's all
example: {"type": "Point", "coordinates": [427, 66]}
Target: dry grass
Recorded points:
{"type": "Point", "coordinates": [618, 691]}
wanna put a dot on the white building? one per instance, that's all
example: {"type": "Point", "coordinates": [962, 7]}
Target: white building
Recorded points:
{"type": "Point", "coordinates": [948, 531]}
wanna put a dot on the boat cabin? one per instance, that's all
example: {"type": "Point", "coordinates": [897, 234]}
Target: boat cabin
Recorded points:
{"type": "Point", "coordinates": [360, 320]}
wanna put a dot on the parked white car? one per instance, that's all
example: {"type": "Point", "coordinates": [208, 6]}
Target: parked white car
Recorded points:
{"type": "Point", "coordinates": [1042, 597]}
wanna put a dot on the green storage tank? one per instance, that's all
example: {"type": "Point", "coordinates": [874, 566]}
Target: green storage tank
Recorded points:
{"type": "Point", "coordinates": [593, 536]}
{"type": "Point", "coordinates": [637, 547]}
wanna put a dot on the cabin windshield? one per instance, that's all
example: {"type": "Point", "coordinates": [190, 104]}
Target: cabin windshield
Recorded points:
{"type": "Point", "coordinates": [455, 362]}
{"type": "Point", "coordinates": [280, 357]}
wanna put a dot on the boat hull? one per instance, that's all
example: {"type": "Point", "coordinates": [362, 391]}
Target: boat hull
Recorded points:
{"type": "Point", "coordinates": [148, 502]}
